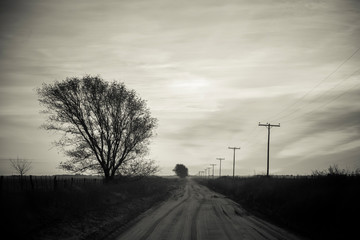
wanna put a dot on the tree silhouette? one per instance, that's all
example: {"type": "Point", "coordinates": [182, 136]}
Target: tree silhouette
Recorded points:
{"type": "Point", "coordinates": [104, 124]}
{"type": "Point", "coordinates": [181, 170]}
{"type": "Point", "coordinates": [21, 166]}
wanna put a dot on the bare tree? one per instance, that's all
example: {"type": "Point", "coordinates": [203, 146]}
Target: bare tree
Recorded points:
{"type": "Point", "coordinates": [21, 166]}
{"type": "Point", "coordinates": [104, 125]}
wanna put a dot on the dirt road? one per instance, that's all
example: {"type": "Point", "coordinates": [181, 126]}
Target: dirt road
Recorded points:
{"type": "Point", "coordinates": [202, 214]}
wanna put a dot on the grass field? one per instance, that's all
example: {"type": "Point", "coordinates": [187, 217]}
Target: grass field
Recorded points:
{"type": "Point", "coordinates": [322, 206]}
{"type": "Point", "coordinates": [84, 211]}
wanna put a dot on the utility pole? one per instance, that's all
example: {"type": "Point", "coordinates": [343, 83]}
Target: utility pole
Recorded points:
{"type": "Point", "coordinates": [268, 126]}
{"type": "Point", "coordinates": [220, 159]}
{"type": "Point", "coordinates": [234, 148]}
{"type": "Point", "coordinates": [213, 169]}
{"type": "Point", "coordinates": [205, 172]}
{"type": "Point", "coordinates": [209, 172]}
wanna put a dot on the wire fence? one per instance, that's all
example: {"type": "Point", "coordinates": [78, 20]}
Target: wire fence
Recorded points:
{"type": "Point", "coordinates": [44, 183]}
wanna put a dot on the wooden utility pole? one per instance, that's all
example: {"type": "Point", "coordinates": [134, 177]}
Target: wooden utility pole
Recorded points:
{"type": "Point", "coordinates": [234, 148]}
{"type": "Point", "coordinates": [268, 126]}
{"type": "Point", "coordinates": [213, 169]}
{"type": "Point", "coordinates": [220, 159]}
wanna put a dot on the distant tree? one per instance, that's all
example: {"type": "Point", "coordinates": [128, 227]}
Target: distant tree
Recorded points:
{"type": "Point", "coordinates": [105, 126]}
{"type": "Point", "coordinates": [21, 166]}
{"type": "Point", "coordinates": [181, 170]}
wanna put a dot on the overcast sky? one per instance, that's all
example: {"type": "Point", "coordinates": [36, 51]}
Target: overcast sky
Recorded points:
{"type": "Point", "coordinates": [209, 70]}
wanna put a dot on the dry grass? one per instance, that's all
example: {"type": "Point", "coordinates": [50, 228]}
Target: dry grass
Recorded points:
{"type": "Point", "coordinates": [85, 211]}
{"type": "Point", "coordinates": [321, 206]}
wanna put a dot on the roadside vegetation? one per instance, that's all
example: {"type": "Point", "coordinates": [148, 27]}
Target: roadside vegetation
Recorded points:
{"type": "Point", "coordinates": [324, 205]}
{"type": "Point", "coordinates": [79, 209]}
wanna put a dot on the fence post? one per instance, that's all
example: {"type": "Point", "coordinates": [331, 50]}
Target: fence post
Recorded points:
{"type": "Point", "coordinates": [21, 183]}
{"type": "Point", "coordinates": [55, 183]}
{"type": "Point", "coordinates": [31, 183]}
{"type": "Point", "coordinates": [1, 185]}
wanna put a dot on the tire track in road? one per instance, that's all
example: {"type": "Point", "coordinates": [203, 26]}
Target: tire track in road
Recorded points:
{"type": "Point", "coordinates": [175, 218]}
{"type": "Point", "coordinates": [264, 227]}
{"type": "Point", "coordinates": [200, 198]}
{"type": "Point", "coordinates": [224, 228]}
{"type": "Point", "coordinates": [194, 221]}
{"type": "Point", "coordinates": [157, 222]}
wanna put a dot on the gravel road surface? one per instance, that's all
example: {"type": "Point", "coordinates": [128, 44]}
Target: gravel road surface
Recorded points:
{"type": "Point", "coordinates": [199, 213]}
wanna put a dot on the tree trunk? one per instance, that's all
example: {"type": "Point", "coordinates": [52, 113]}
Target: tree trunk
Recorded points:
{"type": "Point", "coordinates": [107, 175]}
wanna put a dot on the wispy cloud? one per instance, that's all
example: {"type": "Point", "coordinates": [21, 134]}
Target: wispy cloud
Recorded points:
{"type": "Point", "coordinates": [210, 70]}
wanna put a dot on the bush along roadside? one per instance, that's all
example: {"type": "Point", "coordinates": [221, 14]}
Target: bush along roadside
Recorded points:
{"type": "Point", "coordinates": [318, 207]}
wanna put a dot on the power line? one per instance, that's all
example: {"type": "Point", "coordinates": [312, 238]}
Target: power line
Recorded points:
{"type": "Point", "coordinates": [331, 99]}
{"type": "Point", "coordinates": [250, 138]}
{"type": "Point", "coordinates": [296, 110]}
{"type": "Point", "coordinates": [249, 135]}
{"type": "Point", "coordinates": [312, 89]}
